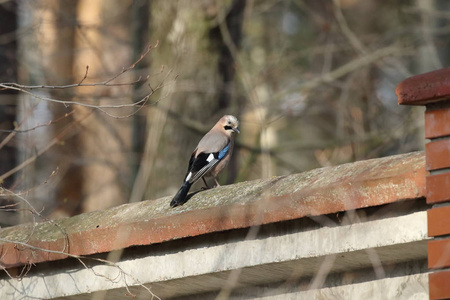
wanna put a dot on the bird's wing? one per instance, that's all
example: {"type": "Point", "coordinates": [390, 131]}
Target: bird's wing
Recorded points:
{"type": "Point", "coordinates": [202, 162]}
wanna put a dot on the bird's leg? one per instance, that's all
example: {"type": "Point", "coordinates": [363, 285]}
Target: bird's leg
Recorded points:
{"type": "Point", "coordinates": [204, 181]}
{"type": "Point", "coordinates": [217, 183]}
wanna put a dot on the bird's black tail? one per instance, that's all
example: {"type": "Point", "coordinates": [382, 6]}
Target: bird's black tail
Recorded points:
{"type": "Point", "coordinates": [180, 197]}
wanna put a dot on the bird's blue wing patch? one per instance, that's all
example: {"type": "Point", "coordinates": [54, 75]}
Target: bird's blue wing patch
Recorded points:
{"type": "Point", "coordinates": [223, 152]}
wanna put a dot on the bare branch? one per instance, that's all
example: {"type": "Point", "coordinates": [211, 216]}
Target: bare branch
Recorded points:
{"type": "Point", "coordinates": [26, 89]}
{"type": "Point", "coordinates": [39, 125]}
{"type": "Point", "coordinates": [22, 87]}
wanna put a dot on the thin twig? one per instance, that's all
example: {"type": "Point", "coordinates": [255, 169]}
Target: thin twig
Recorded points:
{"type": "Point", "coordinates": [39, 125]}
{"type": "Point", "coordinates": [54, 141]}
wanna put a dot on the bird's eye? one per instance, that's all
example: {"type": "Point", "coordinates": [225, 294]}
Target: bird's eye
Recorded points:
{"type": "Point", "coordinates": [229, 122]}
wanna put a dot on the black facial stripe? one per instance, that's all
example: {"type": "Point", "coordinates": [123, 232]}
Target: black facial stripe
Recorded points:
{"type": "Point", "coordinates": [227, 127]}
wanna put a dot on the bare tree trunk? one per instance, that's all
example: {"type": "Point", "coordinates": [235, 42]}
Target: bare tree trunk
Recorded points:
{"type": "Point", "coordinates": [68, 193]}
{"type": "Point", "coordinates": [105, 140]}
{"type": "Point", "coordinates": [227, 38]}
{"type": "Point", "coordinates": [8, 98]}
{"type": "Point", "coordinates": [140, 16]}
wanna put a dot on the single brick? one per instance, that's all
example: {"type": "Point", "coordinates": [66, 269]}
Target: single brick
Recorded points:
{"type": "Point", "coordinates": [438, 188]}
{"type": "Point", "coordinates": [437, 123]}
{"type": "Point", "coordinates": [439, 285]}
{"type": "Point", "coordinates": [438, 154]}
{"type": "Point", "coordinates": [439, 253]}
{"type": "Point", "coordinates": [439, 221]}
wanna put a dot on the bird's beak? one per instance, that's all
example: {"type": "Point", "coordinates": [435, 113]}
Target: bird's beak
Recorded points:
{"type": "Point", "coordinates": [236, 130]}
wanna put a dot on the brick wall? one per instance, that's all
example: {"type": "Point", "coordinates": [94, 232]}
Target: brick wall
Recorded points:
{"type": "Point", "coordinates": [433, 91]}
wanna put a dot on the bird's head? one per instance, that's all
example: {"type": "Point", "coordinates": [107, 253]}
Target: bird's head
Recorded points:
{"type": "Point", "coordinates": [230, 124]}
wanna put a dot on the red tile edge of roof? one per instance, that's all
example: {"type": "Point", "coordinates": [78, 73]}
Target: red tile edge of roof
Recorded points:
{"type": "Point", "coordinates": [424, 88]}
{"type": "Point", "coordinates": [316, 192]}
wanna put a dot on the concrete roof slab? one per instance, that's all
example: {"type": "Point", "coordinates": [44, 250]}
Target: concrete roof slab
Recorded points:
{"type": "Point", "coordinates": [316, 192]}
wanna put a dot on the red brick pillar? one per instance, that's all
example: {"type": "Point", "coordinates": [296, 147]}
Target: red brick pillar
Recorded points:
{"type": "Point", "coordinates": [433, 91]}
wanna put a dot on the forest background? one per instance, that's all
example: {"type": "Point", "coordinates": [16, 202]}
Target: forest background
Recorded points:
{"type": "Point", "coordinates": [102, 102]}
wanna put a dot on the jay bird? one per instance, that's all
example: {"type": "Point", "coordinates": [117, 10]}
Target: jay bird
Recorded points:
{"type": "Point", "coordinates": [212, 154]}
